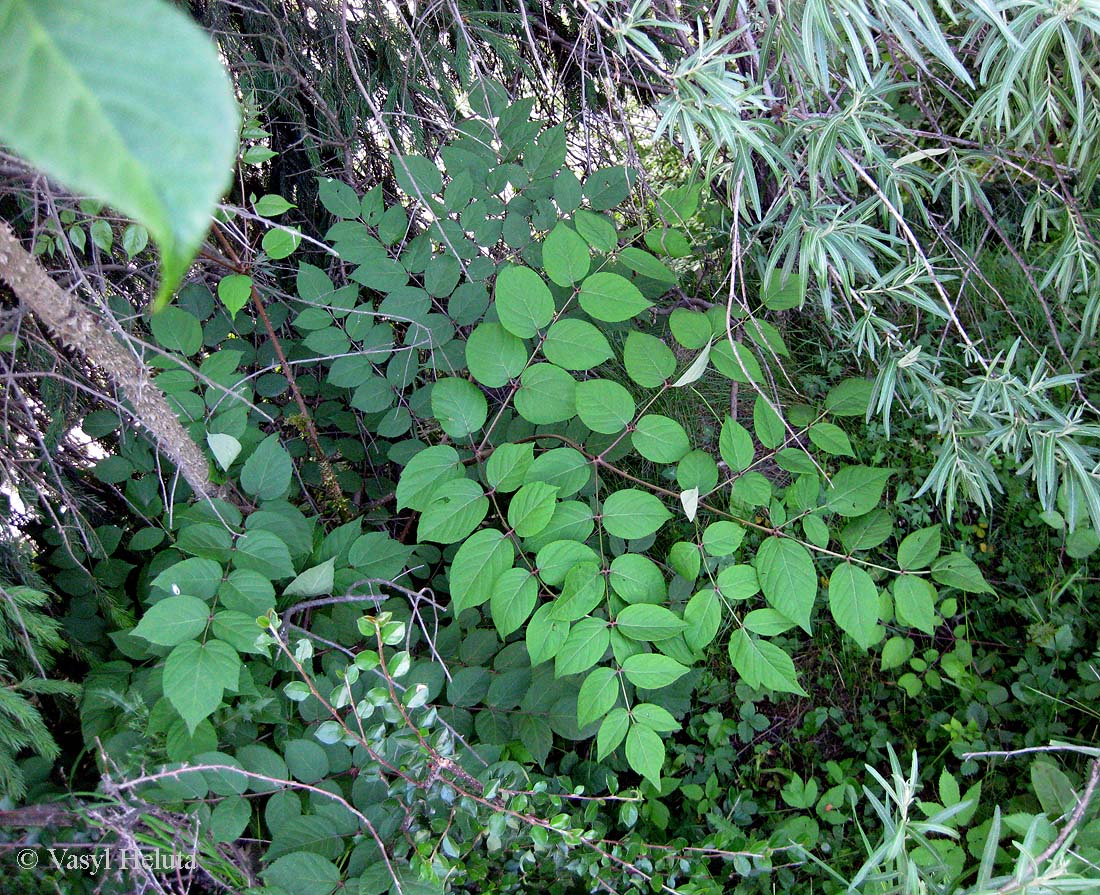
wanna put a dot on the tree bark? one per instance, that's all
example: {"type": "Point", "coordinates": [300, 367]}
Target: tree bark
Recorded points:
{"type": "Point", "coordinates": [78, 329]}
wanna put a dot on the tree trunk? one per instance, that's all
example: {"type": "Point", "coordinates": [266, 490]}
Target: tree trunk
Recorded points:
{"type": "Point", "coordinates": [78, 329]}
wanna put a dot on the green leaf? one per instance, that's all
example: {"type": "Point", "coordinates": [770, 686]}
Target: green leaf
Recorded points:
{"type": "Point", "coordinates": [513, 598]}
{"type": "Point", "coordinates": [956, 570]}
{"type": "Point", "coordinates": [643, 263]}
{"type": "Point", "coordinates": [735, 361]}
{"type": "Point", "coordinates": [854, 603]}
{"type": "Point", "coordinates": [735, 445]}
{"type": "Point", "coordinates": [494, 356]}
{"type": "Point", "coordinates": [196, 675]}
{"type": "Point", "coordinates": [850, 398]}
{"type": "Point", "coordinates": [480, 562]}
{"type": "Point", "coordinates": [416, 175]}
{"type": "Point", "coordinates": [685, 559]}
{"type": "Point", "coordinates": [915, 603]}
{"type": "Point", "coordinates": [780, 291]}
{"type": "Point", "coordinates": [763, 664]}
{"type": "Point", "coordinates": [313, 582]}
{"type": "Point", "coordinates": [134, 239]}
{"type": "Point", "coordinates": [631, 513]}
{"type": "Point", "coordinates": [607, 187]}
{"type": "Point", "coordinates": [508, 465]}
{"type": "Point", "coordinates": [612, 732]}
{"type": "Point", "coordinates": [197, 577]}
{"type": "Point", "coordinates": [456, 511]}
{"type": "Point", "coordinates": [424, 472]}
{"type": "Point", "coordinates": [584, 647]}
{"type": "Point", "coordinates": [531, 508]}
{"type": "Point", "coordinates": [651, 671]}
{"type": "Point", "coordinates": [596, 229]}
{"type": "Point", "coordinates": [919, 548]}
{"type": "Point", "coordinates": [856, 490]}
{"type": "Point", "coordinates": [611, 298]}
{"type": "Point", "coordinates": [645, 753]}
{"type": "Point", "coordinates": [338, 198]}
{"type": "Point", "coordinates": [173, 620]}
{"type": "Point", "coordinates": [565, 255]}
{"type": "Point", "coordinates": [304, 873]}
{"type": "Point", "coordinates": [604, 406]}
{"type": "Point", "coordinates": [703, 615]}
{"type": "Point", "coordinates": [896, 652]}
{"type": "Point", "coordinates": [459, 405]}
{"type": "Point", "coordinates": [722, 538]}
{"type": "Point", "coordinates": [867, 531]}
{"type": "Point", "coordinates": [546, 395]}
{"type": "Point", "coordinates": [545, 634]}
{"type": "Point", "coordinates": [654, 717]}
{"type": "Point", "coordinates": [574, 345]}
{"type": "Point", "coordinates": [234, 291]}
{"type": "Point", "coordinates": [787, 577]}
{"type": "Point", "coordinates": [648, 622]}
{"type": "Point", "coordinates": [767, 622]}
{"type": "Point", "coordinates": [272, 205]}
{"type": "Point", "coordinates": [264, 552]}
{"type": "Point", "coordinates": [691, 329]}
{"type": "Point", "coordinates": [597, 696]}
{"type": "Point", "coordinates": [225, 448]}
{"type": "Point", "coordinates": [126, 102]}
{"type": "Point", "coordinates": [176, 330]}
{"type": "Point", "coordinates": [831, 439]}
{"type": "Point", "coordinates": [769, 427]}
{"type": "Point", "coordinates": [267, 472]}
{"type": "Point", "coordinates": [648, 360]}
{"type": "Point", "coordinates": [279, 243]}
{"type": "Point", "coordinates": [523, 301]}
{"type": "Point", "coordinates": [584, 589]}
{"type": "Point", "coordinates": [637, 579]}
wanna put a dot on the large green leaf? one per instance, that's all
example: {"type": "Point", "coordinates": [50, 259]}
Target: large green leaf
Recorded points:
{"type": "Point", "coordinates": [787, 577]}
{"type": "Point", "coordinates": [575, 345]}
{"type": "Point", "coordinates": [531, 508]}
{"type": "Point", "coordinates": [604, 406]}
{"type": "Point", "coordinates": [611, 298]}
{"type": "Point", "coordinates": [494, 355]}
{"type": "Point", "coordinates": [645, 753]}
{"type": "Point", "coordinates": [459, 405]}
{"type": "Point", "coordinates": [455, 512]}
{"type": "Point", "coordinates": [583, 648]}
{"type": "Point", "coordinates": [173, 620]}
{"type": "Point", "coordinates": [648, 360]}
{"type": "Point", "coordinates": [763, 664]}
{"type": "Point", "coordinates": [915, 602]}
{"type": "Point", "coordinates": [651, 671]}
{"type": "Point", "coordinates": [853, 601]}
{"type": "Point", "coordinates": [646, 622]}
{"type": "Point", "coordinates": [565, 255]}
{"type": "Point", "coordinates": [427, 469]}
{"type": "Point", "coordinates": [631, 513]}
{"type": "Point", "coordinates": [546, 395]}
{"type": "Point", "coordinates": [127, 102]}
{"type": "Point", "coordinates": [856, 490]}
{"type": "Point", "coordinates": [481, 560]}
{"type": "Point", "coordinates": [598, 695]}
{"type": "Point", "coordinates": [267, 472]}
{"type": "Point", "coordinates": [919, 548]}
{"type": "Point", "coordinates": [523, 301]}
{"type": "Point", "coordinates": [514, 595]}
{"type": "Point", "coordinates": [196, 675]}
{"type": "Point", "coordinates": [660, 439]}
{"type": "Point", "coordinates": [735, 445]}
